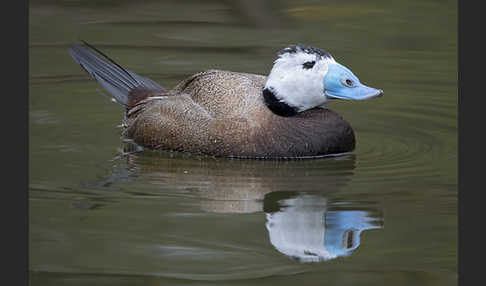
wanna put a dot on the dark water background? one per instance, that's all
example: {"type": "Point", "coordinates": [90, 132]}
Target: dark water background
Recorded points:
{"type": "Point", "coordinates": [384, 215]}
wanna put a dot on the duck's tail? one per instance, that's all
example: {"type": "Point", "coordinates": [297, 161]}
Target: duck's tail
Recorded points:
{"type": "Point", "coordinates": [118, 81]}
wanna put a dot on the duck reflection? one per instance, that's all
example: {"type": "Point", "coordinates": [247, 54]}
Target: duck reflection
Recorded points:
{"type": "Point", "coordinates": [311, 229]}
{"type": "Point", "coordinates": [239, 186]}
{"type": "Point", "coordinates": [307, 224]}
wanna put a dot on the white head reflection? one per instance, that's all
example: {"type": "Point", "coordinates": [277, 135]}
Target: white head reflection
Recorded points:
{"type": "Point", "coordinates": [306, 229]}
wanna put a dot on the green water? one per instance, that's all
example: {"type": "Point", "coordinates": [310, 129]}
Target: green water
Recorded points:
{"type": "Point", "coordinates": [384, 215]}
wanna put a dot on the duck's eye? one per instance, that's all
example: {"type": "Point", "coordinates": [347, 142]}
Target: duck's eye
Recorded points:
{"type": "Point", "coordinates": [348, 83]}
{"type": "Point", "coordinates": [309, 65]}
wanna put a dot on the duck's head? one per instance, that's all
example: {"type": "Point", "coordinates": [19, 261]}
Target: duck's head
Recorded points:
{"type": "Point", "coordinates": [305, 77]}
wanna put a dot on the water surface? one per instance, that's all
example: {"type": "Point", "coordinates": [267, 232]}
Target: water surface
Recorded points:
{"type": "Point", "coordinates": [385, 214]}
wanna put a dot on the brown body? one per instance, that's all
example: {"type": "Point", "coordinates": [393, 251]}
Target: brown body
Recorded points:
{"type": "Point", "coordinates": [223, 113]}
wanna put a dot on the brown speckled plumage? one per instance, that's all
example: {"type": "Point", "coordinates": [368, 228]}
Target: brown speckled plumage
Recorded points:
{"type": "Point", "coordinates": [222, 113]}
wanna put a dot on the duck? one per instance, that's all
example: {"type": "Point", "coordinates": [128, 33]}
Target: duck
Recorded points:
{"type": "Point", "coordinates": [235, 114]}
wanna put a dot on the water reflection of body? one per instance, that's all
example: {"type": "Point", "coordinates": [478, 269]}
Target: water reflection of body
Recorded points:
{"type": "Point", "coordinates": [306, 229]}
{"type": "Point", "coordinates": [300, 220]}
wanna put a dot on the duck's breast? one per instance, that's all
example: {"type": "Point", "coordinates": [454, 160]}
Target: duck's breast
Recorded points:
{"type": "Point", "coordinates": [314, 132]}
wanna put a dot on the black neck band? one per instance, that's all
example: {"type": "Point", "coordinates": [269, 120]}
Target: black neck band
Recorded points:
{"type": "Point", "coordinates": [278, 107]}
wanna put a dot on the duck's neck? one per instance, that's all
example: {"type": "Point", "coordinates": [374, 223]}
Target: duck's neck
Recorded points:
{"type": "Point", "coordinates": [275, 105]}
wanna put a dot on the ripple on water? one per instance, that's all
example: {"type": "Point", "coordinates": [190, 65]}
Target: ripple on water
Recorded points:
{"type": "Point", "coordinates": [411, 144]}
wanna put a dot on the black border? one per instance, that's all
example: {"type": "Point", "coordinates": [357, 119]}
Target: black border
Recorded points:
{"type": "Point", "coordinates": [15, 130]}
{"type": "Point", "coordinates": [470, 148]}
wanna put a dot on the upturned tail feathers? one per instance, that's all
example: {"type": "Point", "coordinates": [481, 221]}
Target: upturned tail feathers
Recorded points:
{"type": "Point", "coordinates": [118, 81]}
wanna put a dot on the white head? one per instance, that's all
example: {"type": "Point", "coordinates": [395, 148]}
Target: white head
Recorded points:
{"type": "Point", "coordinates": [305, 77]}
